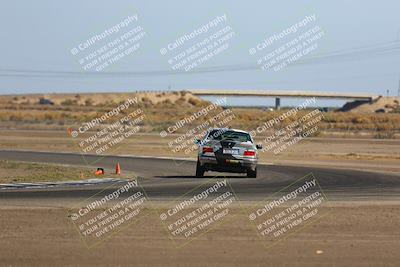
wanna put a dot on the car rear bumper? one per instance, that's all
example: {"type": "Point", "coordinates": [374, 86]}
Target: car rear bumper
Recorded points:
{"type": "Point", "coordinates": [228, 164]}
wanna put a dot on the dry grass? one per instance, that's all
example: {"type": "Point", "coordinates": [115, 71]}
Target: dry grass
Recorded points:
{"type": "Point", "coordinates": [17, 172]}
{"type": "Point", "coordinates": [14, 171]}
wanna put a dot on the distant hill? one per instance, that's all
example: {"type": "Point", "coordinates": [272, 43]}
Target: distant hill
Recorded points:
{"type": "Point", "coordinates": [99, 99]}
{"type": "Point", "coordinates": [379, 105]}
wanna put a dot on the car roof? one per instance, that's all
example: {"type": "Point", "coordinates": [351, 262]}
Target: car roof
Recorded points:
{"type": "Point", "coordinates": [229, 129]}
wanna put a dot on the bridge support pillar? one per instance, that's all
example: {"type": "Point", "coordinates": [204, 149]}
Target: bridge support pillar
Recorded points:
{"type": "Point", "coordinates": [277, 103]}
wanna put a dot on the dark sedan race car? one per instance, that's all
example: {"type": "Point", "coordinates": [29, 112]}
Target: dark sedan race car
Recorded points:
{"type": "Point", "coordinates": [227, 150]}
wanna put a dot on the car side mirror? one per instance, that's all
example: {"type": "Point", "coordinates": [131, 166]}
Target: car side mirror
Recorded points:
{"type": "Point", "coordinates": [197, 141]}
{"type": "Point", "coordinates": [259, 146]}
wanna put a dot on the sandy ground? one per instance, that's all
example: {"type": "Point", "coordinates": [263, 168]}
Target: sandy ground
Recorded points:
{"type": "Point", "coordinates": [362, 154]}
{"type": "Point", "coordinates": [351, 234]}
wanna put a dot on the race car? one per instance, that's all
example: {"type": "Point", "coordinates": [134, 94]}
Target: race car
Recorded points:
{"type": "Point", "coordinates": [227, 150]}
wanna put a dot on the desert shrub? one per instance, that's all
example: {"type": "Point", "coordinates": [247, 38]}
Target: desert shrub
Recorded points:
{"type": "Point", "coordinates": [48, 116]}
{"type": "Point", "coordinates": [384, 127]}
{"type": "Point", "coordinates": [384, 135]}
{"type": "Point", "coordinates": [361, 120]}
{"type": "Point", "coordinates": [180, 101]}
{"type": "Point", "coordinates": [194, 101]}
{"type": "Point", "coordinates": [89, 102]}
{"type": "Point", "coordinates": [16, 117]}
{"type": "Point", "coordinates": [109, 103]}
{"type": "Point", "coordinates": [69, 102]}
{"type": "Point", "coordinates": [395, 110]}
{"type": "Point", "coordinates": [145, 99]}
{"type": "Point", "coordinates": [380, 119]}
{"type": "Point", "coordinates": [166, 102]}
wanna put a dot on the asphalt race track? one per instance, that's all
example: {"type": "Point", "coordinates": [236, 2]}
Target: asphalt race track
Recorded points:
{"type": "Point", "coordinates": [169, 178]}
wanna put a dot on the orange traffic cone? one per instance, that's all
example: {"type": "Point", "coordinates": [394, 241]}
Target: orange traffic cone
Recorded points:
{"type": "Point", "coordinates": [100, 171]}
{"type": "Point", "coordinates": [118, 169]}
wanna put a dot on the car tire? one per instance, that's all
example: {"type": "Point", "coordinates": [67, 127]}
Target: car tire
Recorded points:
{"type": "Point", "coordinates": [252, 173]}
{"type": "Point", "coordinates": [199, 170]}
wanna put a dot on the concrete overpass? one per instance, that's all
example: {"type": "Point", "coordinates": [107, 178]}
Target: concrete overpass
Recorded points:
{"type": "Point", "coordinates": [280, 94]}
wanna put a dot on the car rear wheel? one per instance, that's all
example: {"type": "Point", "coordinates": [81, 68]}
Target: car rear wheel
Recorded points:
{"type": "Point", "coordinates": [252, 173]}
{"type": "Point", "coordinates": [199, 170]}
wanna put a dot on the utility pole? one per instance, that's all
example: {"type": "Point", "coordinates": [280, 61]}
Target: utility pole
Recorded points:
{"type": "Point", "coordinates": [398, 90]}
{"type": "Point", "coordinates": [398, 39]}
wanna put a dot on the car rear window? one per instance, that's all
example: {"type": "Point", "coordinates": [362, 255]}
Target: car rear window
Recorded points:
{"type": "Point", "coordinates": [222, 134]}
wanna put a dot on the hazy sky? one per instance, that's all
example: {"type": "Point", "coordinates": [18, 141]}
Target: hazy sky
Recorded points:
{"type": "Point", "coordinates": [39, 35]}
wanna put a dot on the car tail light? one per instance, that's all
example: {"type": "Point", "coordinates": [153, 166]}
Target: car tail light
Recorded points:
{"type": "Point", "coordinates": [249, 153]}
{"type": "Point", "coordinates": [208, 150]}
